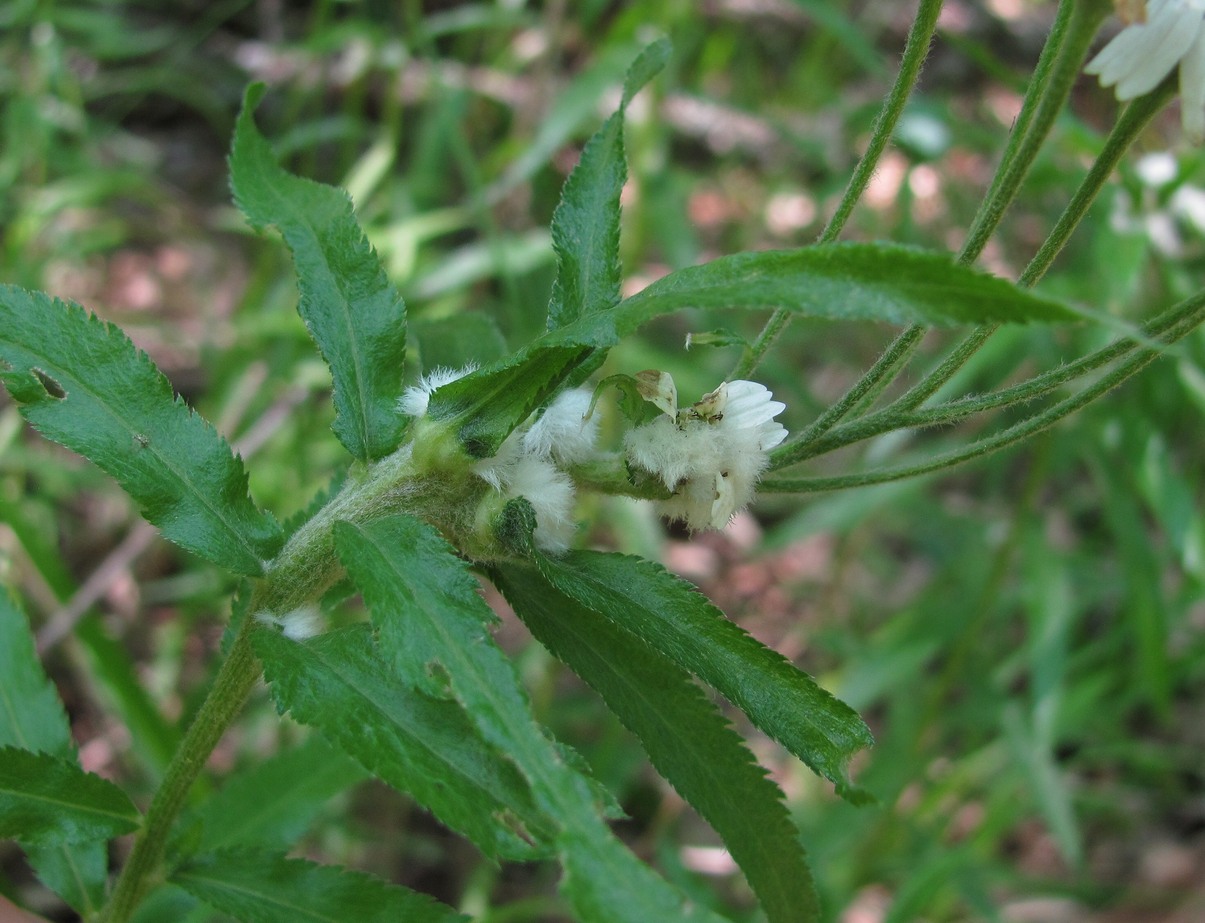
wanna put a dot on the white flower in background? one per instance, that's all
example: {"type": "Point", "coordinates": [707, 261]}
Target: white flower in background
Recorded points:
{"type": "Point", "coordinates": [1168, 212]}
{"type": "Point", "coordinates": [710, 455]}
{"type": "Point", "coordinates": [1145, 51]}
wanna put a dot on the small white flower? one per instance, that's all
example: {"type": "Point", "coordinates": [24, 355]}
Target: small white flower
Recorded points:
{"type": "Point", "coordinates": [416, 398]}
{"type": "Point", "coordinates": [296, 625]}
{"type": "Point", "coordinates": [1144, 52]}
{"type": "Point", "coordinates": [550, 492]}
{"type": "Point", "coordinates": [563, 433]}
{"type": "Point", "coordinates": [710, 455]}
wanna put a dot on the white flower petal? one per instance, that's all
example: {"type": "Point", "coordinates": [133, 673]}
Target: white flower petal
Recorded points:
{"type": "Point", "coordinates": [1192, 88]}
{"type": "Point", "coordinates": [562, 432]}
{"type": "Point", "coordinates": [416, 398]}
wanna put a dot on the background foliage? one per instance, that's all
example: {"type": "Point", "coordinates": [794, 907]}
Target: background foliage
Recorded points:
{"type": "Point", "coordinates": [1024, 635]}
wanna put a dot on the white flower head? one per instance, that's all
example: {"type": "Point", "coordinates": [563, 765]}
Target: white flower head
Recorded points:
{"type": "Point", "coordinates": [416, 398]}
{"type": "Point", "coordinates": [550, 493]}
{"type": "Point", "coordinates": [1145, 51]}
{"type": "Point", "coordinates": [562, 432]}
{"type": "Point", "coordinates": [298, 624]}
{"type": "Point", "coordinates": [711, 454]}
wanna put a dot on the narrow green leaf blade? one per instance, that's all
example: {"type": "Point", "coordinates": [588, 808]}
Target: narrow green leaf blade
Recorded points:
{"type": "Point", "coordinates": [83, 384]}
{"type": "Point", "coordinates": [263, 887]}
{"type": "Point", "coordinates": [354, 313]}
{"type": "Point", "coordinates": [46, 800]}
{"type": "Point", "coordinates": [687, 739]}
{"type": "Point", "coordinates": [31, 714]}
{"type": "Point", "coordinates": [585, 225]}
{"type": "Point", "coordinates": [675, 619]}
{"type": "Point", "coordinates": [585, 229]}
{"type": "Point", "coordinates": [845, 281]}
{"type": "Point", "coordinates": [433, 622]}
{"type": "Point", "coordinates": [424, 746]}
{"type": "Point", "coordinates": [272, 803]}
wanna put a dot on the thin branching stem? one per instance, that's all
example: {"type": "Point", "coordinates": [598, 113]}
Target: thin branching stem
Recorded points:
{"type": "Point", "coordinates": [1172, 325]}
{"type": "Point", "coordinates": [916, 49]}
{"type": "Point", "coordinates": [1021, 148]}
{"type": "Point", "coordinates": [1144, 356]}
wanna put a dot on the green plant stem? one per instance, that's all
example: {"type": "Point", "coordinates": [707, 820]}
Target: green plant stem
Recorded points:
{"type": "Point", "coordinates": [1045, 96]}
{"type": "Point", "coordinates": [916, 49]}
{"type": "Point", "coordinates": [1059, 65]}
{"type": "Point", "coordinates": [1062, 58]}
{"type": "Point", "coordinates": [304, 569]}
{"type": "Point", "coordinates": [1129, 125]}
{"type": "Point", "coordinates": [231, 687]}
{"type": "Point", "coordinates": [1173, 324]}
{"type": "Point", "coordinates": [884, 369]}
{"type": "Point", "coordinates": [1007, 437]}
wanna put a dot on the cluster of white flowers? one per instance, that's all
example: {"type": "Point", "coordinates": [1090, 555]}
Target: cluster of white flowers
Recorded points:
{"type": "Point", "coordinates": [1171, 32]}
{"type": "Point", "coordinates": [530, 462]}
{"type": "Point", "coordinates": [711, 454]}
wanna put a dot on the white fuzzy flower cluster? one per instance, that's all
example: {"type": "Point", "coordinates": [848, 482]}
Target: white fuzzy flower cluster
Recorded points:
{"type": "Point", "coordinates": [530, 462]}
{"type": "Point", "coordinates": [711, 454]}
{"type": "Point", "coordinates": [1144, 52]}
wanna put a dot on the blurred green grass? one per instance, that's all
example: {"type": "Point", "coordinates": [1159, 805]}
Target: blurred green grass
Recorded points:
{"type": "Point", "coordinates": [1025, 634]}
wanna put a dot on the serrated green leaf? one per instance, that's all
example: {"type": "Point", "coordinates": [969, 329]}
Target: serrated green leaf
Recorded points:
{"type": "Point", "coordinates": [118, 411]}
{"type": "Point", "coordinates": [674, 618]}
{"type": "Point", "coordinates": [76, 872]}
{"type": "Point", "coordinates": [413, 742]}
{"type": "Point", "coordinates": [31, 715]}
{"type": "Point", "coordinates": [262, 887]}
{"type": "Point", "coordinates": [32, 718]}
{"type": "Point", "coordinates": [487, 405]}
{"type": "Point", "coordinates": [46, 800]}
{"type": "Point", "coordinates": [882, 282]}
{"type": "Point", "coordinates": [272, 803]}
{"type": "Point", "coordinates": [845, 281]}
{"type": "Point", "coordinates": [585, 225]}
{"type": "Point", "coordinates": [688, 741]}
{"type": "Point", "coordinates": [351, 309]}
{"type": "Point", "coordinates": [433, 622]}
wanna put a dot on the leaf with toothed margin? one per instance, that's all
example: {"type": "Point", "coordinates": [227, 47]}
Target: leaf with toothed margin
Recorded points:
{"type": "Point", "coordinates": [83, 384]}
{"type": "Point", "coordinates": [350, 307]}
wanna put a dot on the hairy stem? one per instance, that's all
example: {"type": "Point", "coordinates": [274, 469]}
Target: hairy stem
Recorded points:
{"type": "Point", "coordinates": [916, 49]}
{"type": "Point", "coordinates": [233, 684]}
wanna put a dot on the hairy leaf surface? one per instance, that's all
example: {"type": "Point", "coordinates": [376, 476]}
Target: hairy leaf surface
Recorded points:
{"type": "Point", "coordinates": [688, 741]}
{"type": "Point", "coordinates": [428, 747]}
{"type": "Point", "coordinates": [46, 800]}
{"type": "Point", "coordinates": [350, 307]}
{"type": "Point", "coordinates": [847, 281]}
{"type": "Point", "coordinates": [82, 383]}
{"type": "Point", "coordinates": [585, 225]}
{"type": "Point", "coordinates": [672, 617]}
{"type": "Point", "coordinates": [433, 622]}
{"type": "Point", "coordinates": [263, 887]}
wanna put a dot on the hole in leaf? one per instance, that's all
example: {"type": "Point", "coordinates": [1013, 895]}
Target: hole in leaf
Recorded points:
{"type": "Point", "coordinates": [53, 388]}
